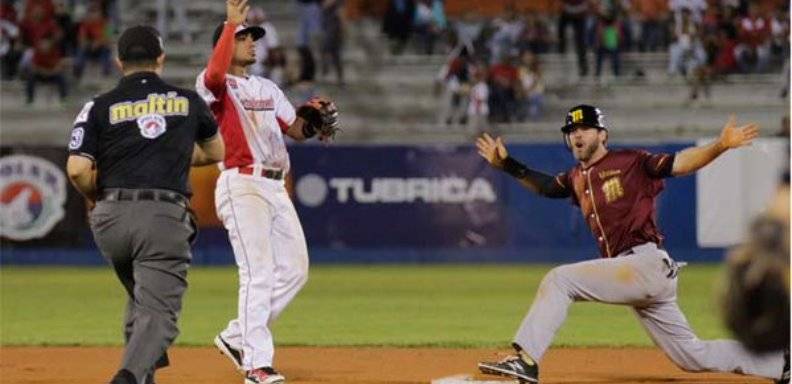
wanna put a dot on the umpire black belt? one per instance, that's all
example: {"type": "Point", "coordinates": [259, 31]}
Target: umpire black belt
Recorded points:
{"type": "Point", "coordinates": [121, 194]}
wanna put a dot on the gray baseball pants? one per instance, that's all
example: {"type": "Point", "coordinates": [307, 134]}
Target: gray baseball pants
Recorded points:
{"type": "Point", "coordinates": [645, 279]}
{"type": "Point", "coordinates": [148, 245]}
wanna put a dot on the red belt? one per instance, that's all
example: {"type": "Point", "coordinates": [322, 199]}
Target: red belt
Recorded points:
{"type": "Point", "coordinates": [268, 173]}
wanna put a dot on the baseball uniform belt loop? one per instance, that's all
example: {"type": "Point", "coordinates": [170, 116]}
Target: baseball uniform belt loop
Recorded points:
{"type": "Point", "coordinates": [119, 194]}
{"type": "Point", "coordinates": [261, 172]}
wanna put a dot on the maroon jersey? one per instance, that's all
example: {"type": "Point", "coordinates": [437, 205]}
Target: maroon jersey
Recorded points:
{"type": "Point", "coordinates": [617, 196]}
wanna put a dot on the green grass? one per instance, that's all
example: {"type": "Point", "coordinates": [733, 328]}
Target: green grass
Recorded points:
{"type": "Point", "coordinates": [455, 306]}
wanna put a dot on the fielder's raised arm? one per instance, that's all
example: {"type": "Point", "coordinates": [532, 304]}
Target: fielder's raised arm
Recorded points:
{"type": "Point", "coordinates": [223, 52]}
{"type": "Point", "coordinates": [692, 159]}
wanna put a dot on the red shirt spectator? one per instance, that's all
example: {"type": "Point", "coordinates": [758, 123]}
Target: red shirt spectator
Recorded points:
{"type": "Point", "coordinates": [8, 12]}
{"type": "Point", "coordinates": [46, 6]}
{"type": "Point", "coordinates": [93, 28]}
{"type": "Point", "coordinates": [46, 56]}
{"type": "Point", "coordinates": [651, 10]}
{"type": "Point", "coordinates": [503, 74]}
{"type": "Point", "coordinates": [754, 29]}
{"type": "Point", "coordinates": [457, 68]}
{"type": "Point", "coordinates": [726, 61]}
{"type": "Point", "coordinates": [37, 27]}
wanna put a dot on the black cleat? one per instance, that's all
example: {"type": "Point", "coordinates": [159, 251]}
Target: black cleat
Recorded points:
{"type": "Point", "coordinates": [226, 349]}
{"type": "Point", "coordinates": [123, 377]}
{"type": "Point", "coordinates": [519, 366]}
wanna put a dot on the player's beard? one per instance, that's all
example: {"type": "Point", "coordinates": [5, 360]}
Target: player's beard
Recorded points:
{"type": "Point", "coordinates": [584, 154]}
{"type": "Point", "coordinates": [244, 62]}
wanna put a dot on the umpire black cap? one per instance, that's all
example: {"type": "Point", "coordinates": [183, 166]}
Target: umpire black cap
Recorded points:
{"type": "Point", "coordinates": [255, 31]}
{"type": "Point", "coordinates": [140, 43]}
{"type": "Point", "coordinates": [584, 115]}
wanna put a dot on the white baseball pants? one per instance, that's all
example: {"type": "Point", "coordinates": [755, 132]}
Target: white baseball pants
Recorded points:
{"type": "Point", "coordinates": [270, 251]}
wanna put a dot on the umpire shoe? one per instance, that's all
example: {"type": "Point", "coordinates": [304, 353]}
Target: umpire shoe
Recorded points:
{"type": "Point", "coordinates": [226, 349]}
{"type": "Point", "coordinates": [123, 377]}
{"type": "Point", "coordinates": [265, 375]}
{"type": "Point", "coordinates": [784, 376]}
{"type": "Point", "coordinates": [519, 366]}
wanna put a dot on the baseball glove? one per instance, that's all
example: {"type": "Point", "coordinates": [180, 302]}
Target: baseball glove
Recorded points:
{"type": "Point", "coordinates": [321, 117]}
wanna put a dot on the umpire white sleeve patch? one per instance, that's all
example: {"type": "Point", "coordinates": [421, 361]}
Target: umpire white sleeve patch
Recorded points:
{"type": "Point", "coordinates": [83, 115]}
{"type": "Point", "coordinates": [76, 138]}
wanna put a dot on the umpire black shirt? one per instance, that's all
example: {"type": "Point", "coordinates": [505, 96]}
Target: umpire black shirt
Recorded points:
{"type": "Point", "coordinates": [141, 134]}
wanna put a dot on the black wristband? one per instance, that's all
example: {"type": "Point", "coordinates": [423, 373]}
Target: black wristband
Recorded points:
{"type": "Point", "coordinates": [514, 167]}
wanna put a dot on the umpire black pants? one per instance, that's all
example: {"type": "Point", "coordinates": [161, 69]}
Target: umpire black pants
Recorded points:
{"type": "Point", "coordinates": [148, 245]}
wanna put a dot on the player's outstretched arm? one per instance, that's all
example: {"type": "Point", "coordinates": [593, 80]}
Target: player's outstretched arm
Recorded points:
{"type": "Point", "coordinates": [692, 159]}
{"type": "Point", "coordinates": [222, 54]}
{"type": "Point", "coordinates": [494, 151]}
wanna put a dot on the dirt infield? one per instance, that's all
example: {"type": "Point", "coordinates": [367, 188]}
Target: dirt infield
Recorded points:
{"type": "Point", "coordinates": [76, 365]}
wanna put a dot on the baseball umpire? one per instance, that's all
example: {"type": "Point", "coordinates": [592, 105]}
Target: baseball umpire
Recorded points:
{"type": "Point", "coordinates": [130, 156]}
{"type": "Point", "coordinates": [616, 192]}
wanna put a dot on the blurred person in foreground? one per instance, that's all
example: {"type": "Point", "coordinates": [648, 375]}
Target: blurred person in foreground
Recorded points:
{"type": "Point", "coordinates": [756, 299]}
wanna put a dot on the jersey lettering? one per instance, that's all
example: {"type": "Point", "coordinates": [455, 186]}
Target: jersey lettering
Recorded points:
{"type": "Point", "coordinates": [169, 104]}
{"type": "Point", "coordinates": [609, 173]}
{"type": "Point", "coordinates": [612, 189]}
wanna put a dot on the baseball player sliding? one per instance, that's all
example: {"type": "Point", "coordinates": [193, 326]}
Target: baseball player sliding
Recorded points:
{"type": "Point", "coordinates": [616, 192]}
{"type": "Point", "coordinates": [250, 198]}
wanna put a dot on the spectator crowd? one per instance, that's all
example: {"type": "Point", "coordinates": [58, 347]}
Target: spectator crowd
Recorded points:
{"type": "Point", "coordinates": [501, 57]}
{"type": "Point", "coordinates": [493, 72]}
{"type": "Point", "coordinates": [52, 41]}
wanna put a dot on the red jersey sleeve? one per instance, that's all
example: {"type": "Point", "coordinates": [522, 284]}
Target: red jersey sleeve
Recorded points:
{"type": "Point", "coordinates": [657, 165]}
{"type": "Point", "coordinates": [214, 77]}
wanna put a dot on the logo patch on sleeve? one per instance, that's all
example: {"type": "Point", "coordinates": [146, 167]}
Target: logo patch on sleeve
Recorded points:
{"type": "Point", "coordinates": [76, 138]}
{"type": "Point", "coordinates": [83, 115]}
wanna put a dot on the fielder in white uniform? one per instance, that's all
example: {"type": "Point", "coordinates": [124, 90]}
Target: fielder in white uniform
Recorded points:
{"type": "Point", "coordinates": [250, 197]}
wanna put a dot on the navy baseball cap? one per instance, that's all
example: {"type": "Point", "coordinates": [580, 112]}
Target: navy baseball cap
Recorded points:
{"type": "Point", "coordinates": [255, 31]}
{"type": "Point", "coordinates": [140, 43]}
{"type": "Point", "coordinates": [584, 115]}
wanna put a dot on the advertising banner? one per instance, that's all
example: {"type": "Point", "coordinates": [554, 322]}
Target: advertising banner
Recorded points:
{"type": "Point", "coordinates": [37, 206]}
{"type": "Point", "coordinates": [398, 196]}
{"type": "Point", "coordinates": [423, 203]}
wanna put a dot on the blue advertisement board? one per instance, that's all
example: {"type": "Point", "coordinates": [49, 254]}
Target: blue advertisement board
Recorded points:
{"type": "Point", "coordinates": [425, 203]}
{"type": "Point", "coordinates": [396, 196]}
{"type": "Point", "coordinates": [444, 203]}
